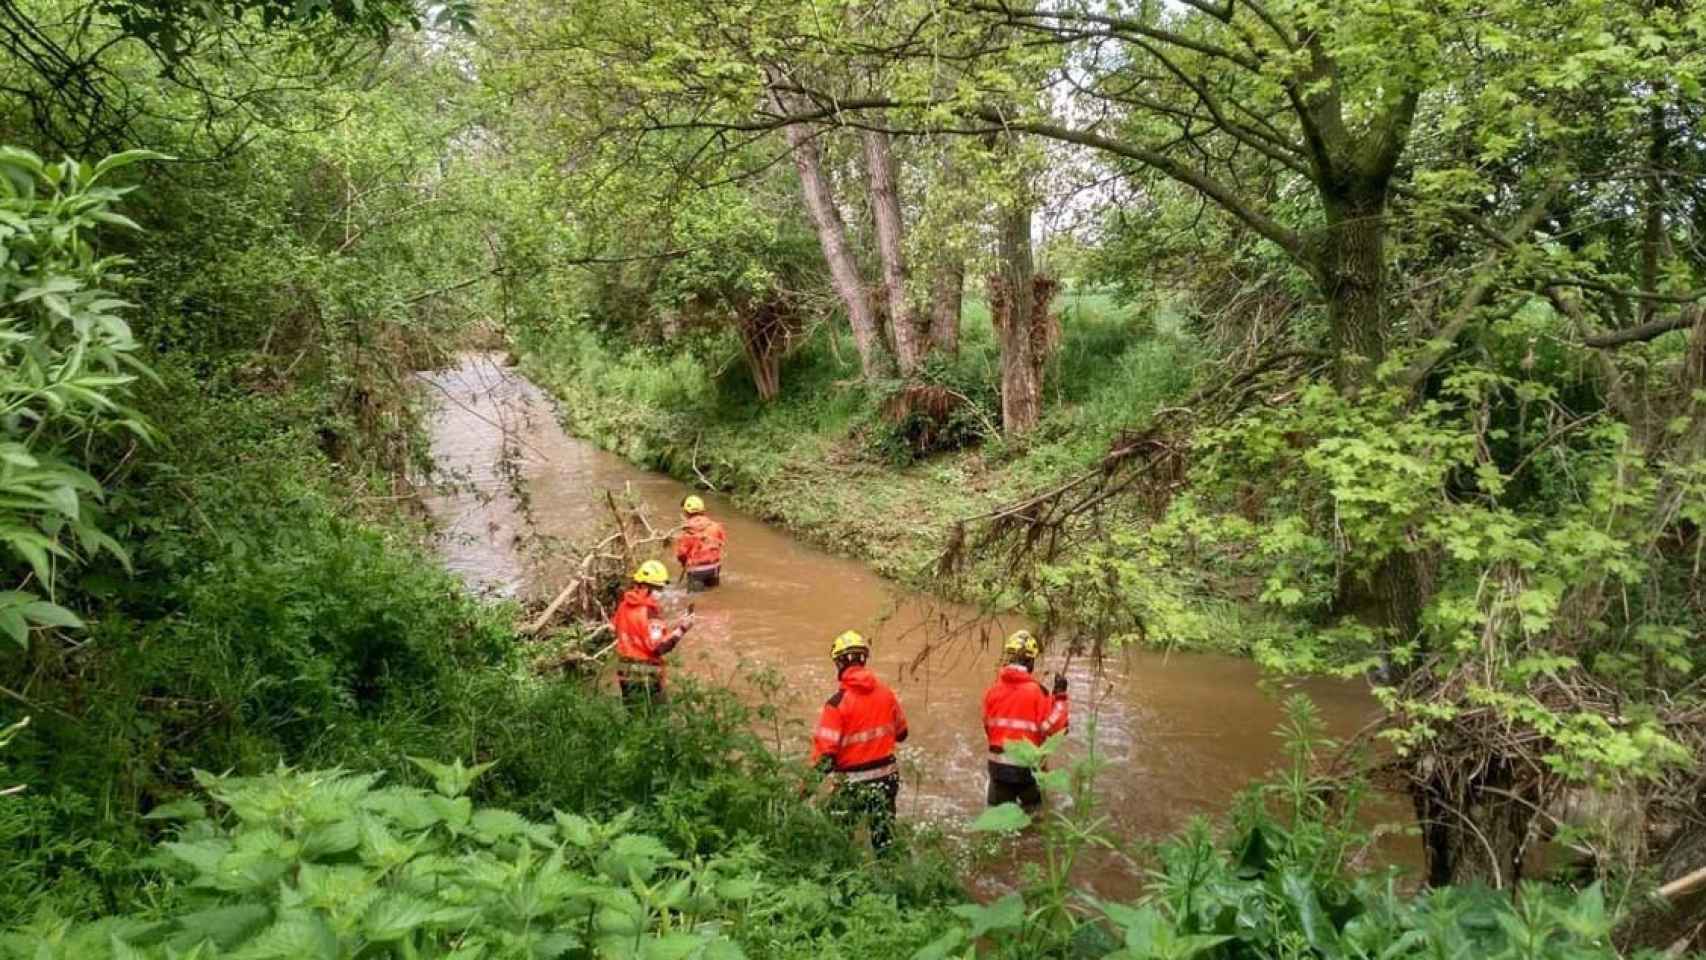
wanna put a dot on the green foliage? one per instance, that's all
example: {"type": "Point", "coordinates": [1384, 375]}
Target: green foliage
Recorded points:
{"type": "Point", "coordinates": [268, 615]}
{"type": "Point", "coordinates": [172, 28]}
{"type": "Point", "coordinates": [1279, 883]}
{"type": "Point", "coordinates": [67, 363]}
{"type": "Point", "coordinates": [329, 864]}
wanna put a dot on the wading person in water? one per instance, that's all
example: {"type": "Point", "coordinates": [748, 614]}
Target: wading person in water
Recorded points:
{"type": "Point", "coordinates": [1016, 707]}
{"type": "Point", "coordinates": [700, 549]}
{"type": "Point", "coordinates": [855, 741]}
{"type": "Point", "coordinates": [641, 640]}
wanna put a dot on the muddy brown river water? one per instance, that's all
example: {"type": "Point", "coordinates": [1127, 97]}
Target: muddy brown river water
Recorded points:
{"type": "Point", "coordinates": [1182, 732]}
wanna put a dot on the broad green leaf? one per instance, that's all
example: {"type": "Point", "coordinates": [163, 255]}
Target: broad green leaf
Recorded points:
{"type": "Point", "coordinates": [672, 946]}
{"type": "Point", "coordinates": [492, 825]}
{"type": "Point", "coordinates": [13, 624]}
{"type": "Point", "coordinates": [1316, 925]}
{"type": "Point", "coordinates": [226, 927]}
{"type": "Point", "coordinates": [329, 839]}
{"type": "Point", "coordinates": [634, 857]}
{"type": "Point", "coordinates": [203, 855]}
{"type": "Point", "coordinates": [50, 615]}
{"type": "Point", "coordinates": [1007, 913]}
{"type": "Point", "coordinates": [1002, 818]}
{"type": "Point", "coordinates": [182, 808]}
{"type": "Point", "coordinates": [576, 829]}
{"type": "Point", "coordinates": [118, 161]}
{"type": "Point", "coordinates": [395, 916]}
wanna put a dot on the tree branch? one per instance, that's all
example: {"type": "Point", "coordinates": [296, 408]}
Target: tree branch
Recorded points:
{"type": "Point", "coordinates": [1269, 228]}
{"type": "Point", "coordinates": [1646, 331]}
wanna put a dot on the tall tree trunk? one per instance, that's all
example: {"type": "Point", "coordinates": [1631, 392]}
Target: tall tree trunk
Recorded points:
{"type": "Point", "coordinates": [832, 236]}
{"type": "Point", "coordinates": [1352, 264]}
{"type": "Point", "coordinates": [947, 292]}
{"type": "Point", "coordinates": [910, 345]}
{"type": "Point", "coordinates": [1012, 308]}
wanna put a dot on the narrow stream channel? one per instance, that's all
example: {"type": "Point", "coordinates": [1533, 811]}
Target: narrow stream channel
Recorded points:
{"type": "Point", "coordinates": [1182, 732]}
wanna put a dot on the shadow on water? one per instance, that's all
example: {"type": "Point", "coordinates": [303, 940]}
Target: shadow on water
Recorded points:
{"type": "Point", "coordinates": [1181, 732]}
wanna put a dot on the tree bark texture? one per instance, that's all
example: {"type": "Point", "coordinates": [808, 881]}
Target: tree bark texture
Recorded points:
{"type": "Point", "coordinates": [1012, 307]}
{"type": "Point", "coordinates": [832, 236]}
{"type": "Point", "coordinates": [947, 292]}
{"type": "Point", "coordinates": [910, 343]}
{"type": "Point", "coordinates": [1351, 261]}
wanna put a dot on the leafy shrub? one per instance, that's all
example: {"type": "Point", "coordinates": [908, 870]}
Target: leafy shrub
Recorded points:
{"type": "Point", "coordinates": [67, 360]}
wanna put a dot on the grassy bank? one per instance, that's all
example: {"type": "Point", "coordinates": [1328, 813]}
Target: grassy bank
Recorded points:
{"type": "Point", "coordinates": [822, 461]}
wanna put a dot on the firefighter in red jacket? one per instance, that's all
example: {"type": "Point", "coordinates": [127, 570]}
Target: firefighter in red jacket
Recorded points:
{"type": "Point", "coordinates": [1016, 707]}
{"type": "Point", "coordinates": [641, 639]}
{"type": "Point", "coordinates": [700, 549]}
{"type": "Point", "coordinates": [855, 740]}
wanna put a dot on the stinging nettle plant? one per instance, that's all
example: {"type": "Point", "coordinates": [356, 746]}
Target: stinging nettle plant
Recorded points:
{"type": "Point", "coordinates": [329, 864]}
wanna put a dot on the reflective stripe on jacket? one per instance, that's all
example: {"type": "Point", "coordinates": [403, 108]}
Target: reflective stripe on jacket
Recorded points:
{"type": "Point", "coordinates": [639, 632]}
{"type": "Point", "coordinates": [859, 727]}
{"type": "Point", "coordinates": [701, 543]}
{"type": "Point", "coordinates": [1016, 707]}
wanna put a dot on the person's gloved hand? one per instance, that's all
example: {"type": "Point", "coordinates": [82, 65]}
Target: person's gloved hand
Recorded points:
{"type": "Point", "coordinates": [1059, 684]}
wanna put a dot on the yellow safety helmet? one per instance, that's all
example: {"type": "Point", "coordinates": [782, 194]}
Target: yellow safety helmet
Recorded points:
{"type": "Point", "coordinates": [693, 504]}
{"type": "Point", "coordinates": [653, 573]}
{"type": "Point", "coordinates": [847, 643]}
{"type": "Point", "coordinates": [1021, 645]}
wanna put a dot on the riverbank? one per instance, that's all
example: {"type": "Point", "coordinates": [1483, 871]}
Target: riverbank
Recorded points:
{"type": "Point", "coordinates": [823, 461]}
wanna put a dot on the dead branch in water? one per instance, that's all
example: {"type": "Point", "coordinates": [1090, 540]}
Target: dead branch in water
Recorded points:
{"type": "Point", "coordinates": [602, 572]}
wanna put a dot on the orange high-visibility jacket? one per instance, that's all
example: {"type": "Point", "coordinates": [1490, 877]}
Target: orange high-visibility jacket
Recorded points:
{"type": "Point", "coordinates": [1016, 707]}
{"type": "Point", "coordinates": [639, 632]}
{"type": "Point", "coordinates": [859, 727]}
{"type": "Point", "coordinates": [701, 543]}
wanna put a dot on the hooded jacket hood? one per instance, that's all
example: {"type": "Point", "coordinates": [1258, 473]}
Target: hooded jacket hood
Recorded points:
{"type": "Point", "coordinates": [858, 679]}
{"type": "Point", "coordinates": [640, 597]}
